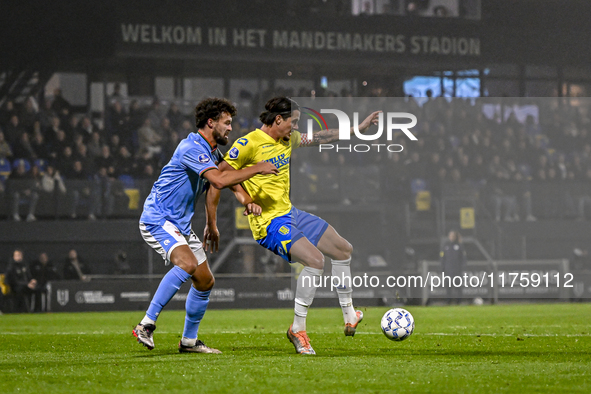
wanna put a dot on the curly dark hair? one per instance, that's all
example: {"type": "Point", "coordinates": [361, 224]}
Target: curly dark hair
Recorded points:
{"type": "Point", "coordinates": [212, 108]}
{"type": "Point", "coordinates": [278, 106]}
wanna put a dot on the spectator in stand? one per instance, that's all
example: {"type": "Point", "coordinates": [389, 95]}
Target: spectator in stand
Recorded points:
{"type": "Point", "coordinates": [524, 192]}
{"type": "Point", "coordinates": [60, 105]}
{"type": "Point", "coordinates": [185, 130]}
{"type": "Point", "coordinates": [13, 130]}
{"type": "Point", "coordinates": [585, 198]}
{"type": "Point", "coordinates": [175, 116]}
{"type": "Point", "coordinates": [65, 160]}
{"type": "Point", "coordinates": [22, 284]}
{"type": "Point", "coordinates": [52, 130]}
{"type": "Point", "coordinates": [169, 147]}
{"type": "Point", "coordinates": [79, 186]}
{"type": "Point", "coordinates": [115, 143]}
{"type": "Point", "coordinates": [23, 148]}
{"type": "Point", "coordinates": [22, 184]}
{"type": "Point", "coordinates": [456, 176]}
{"type": "Point", "coordinates": [51, 181]}
{"type": "Point", "coordinates": [46, 114]}
{"type": "Point", "coordinates": [149, 140]}
{"type": "Point", "coordinates": [165, 130]}
{"type": "Point", "coordinates": [148, 173]}
{"type": "Point", "coordinates": [42, 271]}
{"type": "Point", "coordinates": [453, 262]}
{"type": "Point", "coordinates": [86, 128]}
{"type": "Point", "coordinates": [117, 94]}
{"type": "Point", "coordinates": [59, 145]}
{"type": "Point", "coordinates": [562, 167]}
{"type": "Point", "coordinates": [29, 114]}
{"type": "Point", "coordinates": [78, 140]}
{"type": "Point", "coordinates": [136, 116]}
{"type": "Point", "coordinates": [503, 195]}
{"type": "Point", "coordinates": [75, 268]}
{"type": "Point", "coordinates": [70, 125]}
{"type": "Point", "coordinates": [116, 119]}
{"type": "Point", "coordinates": [478, 171]}
{"type": "Point", "coordinates": [105, 181]}
{"type": "Point", "coordinates": [155, 115]}
{"type": "Point", "coordinates": [144, 160]}
{"type": "Point", "coordinates": [124, 162]}
{"type": "Point", "coordinates": [40, 148]}
{"type": "Point", "coordinates": [95, 145]}
{"type": "Point", "coordinates": [7, 112]}
{"type": "Point", "coordinates": [106, 161]}
{"type": "Point", "coordinates": [5, 150]}
{"type": "Point", "coordinates": [82, 155]}
{"type": "Point", "coordinates": [577, 169]}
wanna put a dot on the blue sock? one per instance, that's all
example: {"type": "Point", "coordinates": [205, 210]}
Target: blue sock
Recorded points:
{"type": "Point", "coordinates": [168, 287]}
{"type": "Point", "coordinates": [196, 305]}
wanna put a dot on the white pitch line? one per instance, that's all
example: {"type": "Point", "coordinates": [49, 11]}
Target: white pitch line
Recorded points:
{"type": "Point", "coordinates": [434, 334]}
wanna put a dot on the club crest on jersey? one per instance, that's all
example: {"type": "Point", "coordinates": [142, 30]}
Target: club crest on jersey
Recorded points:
{"type": "Point", "coordinates": [203, 158]}
{"type": "Point", "coordinates": [283, 230]}
{"type": "Point", "coordinates": [233, 153]}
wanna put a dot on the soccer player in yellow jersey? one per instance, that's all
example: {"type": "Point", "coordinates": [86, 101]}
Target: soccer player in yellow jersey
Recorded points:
{"type": "Point", "coordinates": [295, 235]}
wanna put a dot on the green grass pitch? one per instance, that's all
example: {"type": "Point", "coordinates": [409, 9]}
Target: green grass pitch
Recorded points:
{"type": "Point", "coordinates": [504, 348]}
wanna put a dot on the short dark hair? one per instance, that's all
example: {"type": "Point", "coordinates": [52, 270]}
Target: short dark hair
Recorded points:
{"type": "Point", "coordinates": [278, 106]}
{"type": "Point", "coordinates": [212, 108]}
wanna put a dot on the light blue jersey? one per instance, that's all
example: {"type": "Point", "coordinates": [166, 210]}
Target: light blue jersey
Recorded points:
{"type": "Point", "coordinates": [181, 183]}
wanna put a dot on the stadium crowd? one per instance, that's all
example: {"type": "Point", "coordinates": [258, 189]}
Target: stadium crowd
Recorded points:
{"type": "Point", "coordinates": [522, 154]}
{"type": "Point", "coordinates": [23, 287]}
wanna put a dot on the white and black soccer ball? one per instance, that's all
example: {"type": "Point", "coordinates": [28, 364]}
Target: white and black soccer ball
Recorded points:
{"type": "Point", "coordinates": [398, 324]}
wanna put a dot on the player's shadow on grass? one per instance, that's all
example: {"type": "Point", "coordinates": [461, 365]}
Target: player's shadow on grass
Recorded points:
{"type": "Point", "coordinates": [152, 355]}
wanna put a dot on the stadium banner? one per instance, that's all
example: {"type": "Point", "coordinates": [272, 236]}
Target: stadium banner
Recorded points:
{"type": "Point", "coordinates": [128, 295]}
{"type": "Point", "coordinates": [135, 295]}
{"type": "Point", "coordinates": [194, 35]}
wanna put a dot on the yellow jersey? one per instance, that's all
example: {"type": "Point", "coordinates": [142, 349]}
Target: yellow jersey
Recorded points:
{"type": "Point", "coordinates": [271, 192]}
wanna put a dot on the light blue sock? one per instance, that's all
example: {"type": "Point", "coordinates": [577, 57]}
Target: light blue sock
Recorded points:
{"type": "Point", "coordinates": [196, 305]}
{"type": "Point", "coordinates": [170, 284]}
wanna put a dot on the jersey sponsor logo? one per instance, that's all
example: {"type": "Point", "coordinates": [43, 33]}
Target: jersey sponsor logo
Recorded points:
{"type": "Point", "coordinates": [242, 141]}
{"type": "Point", "coordinates": [284, 230]}
{"type": "Point", "coordinates": [280, 160]}
{"type": "Point", "coordinates": [266, 146]}
{"type": "Point", "coordinates": [203, 158]}
{"type": "Point", "coordinates": [233, 153]}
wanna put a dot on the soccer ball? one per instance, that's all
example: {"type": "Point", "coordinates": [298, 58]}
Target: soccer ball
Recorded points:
{"type": "Point", "coordinates": [398, 324]}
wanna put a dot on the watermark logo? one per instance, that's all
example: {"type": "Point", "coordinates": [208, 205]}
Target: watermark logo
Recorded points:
{"type": "Point", "coordinates": [390, 122]}
{"type": "Point", "coordinates": [317, 117]}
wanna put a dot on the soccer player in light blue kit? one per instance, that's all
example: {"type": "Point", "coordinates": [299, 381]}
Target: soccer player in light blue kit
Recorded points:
{"type": "Point", "coordinates": [165, 223]}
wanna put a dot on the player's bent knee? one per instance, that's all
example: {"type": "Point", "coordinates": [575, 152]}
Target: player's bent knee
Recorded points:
{"type": "Point", "coordinates": [204, 284]}
{"type": "Point", "coordinates": [187, 265]}
{"type": "Point", "coordinates": [346, 248]}
{"type": "Point", "coordinates": [317, 261]}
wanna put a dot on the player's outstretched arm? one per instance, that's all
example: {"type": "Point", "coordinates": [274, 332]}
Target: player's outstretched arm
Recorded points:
{"type": "Point", "coordinates": [246, 200]}
{"type": "Point", "coordinates": [250, 207]}
{"type": "Point", "coordinates": [211, 235]}
{"type": "Point", "coordinates": [220, 179]}
{"type": "Point", "coordinates": [326, 136]}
